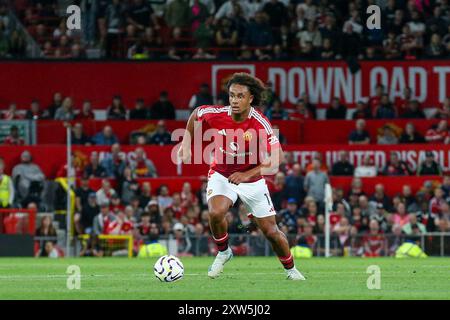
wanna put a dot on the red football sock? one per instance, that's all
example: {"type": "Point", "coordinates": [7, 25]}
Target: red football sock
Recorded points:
{"type": "Point", "coordinates": [287, 262]}
{"type": "Point", "coordinates": [221, 242]}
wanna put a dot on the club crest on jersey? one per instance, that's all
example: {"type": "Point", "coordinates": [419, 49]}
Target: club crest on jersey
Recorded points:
{"type": "Point", "coordinates": [248, 136]}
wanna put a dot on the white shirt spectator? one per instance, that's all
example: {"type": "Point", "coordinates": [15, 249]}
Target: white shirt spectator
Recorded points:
{"type": "Point", "coordinates": [417, 27]}
{"type": "Point", "coordinates": [310, 10]}
{"type": "Point", "coordinates": [365, 171]}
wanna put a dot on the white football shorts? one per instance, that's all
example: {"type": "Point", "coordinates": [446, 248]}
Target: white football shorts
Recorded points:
{"type": "Point", "coordinates": [254, 195]}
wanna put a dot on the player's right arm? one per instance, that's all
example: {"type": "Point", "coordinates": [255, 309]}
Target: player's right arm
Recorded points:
{"type": "Point", "coordinates": [184, 153]}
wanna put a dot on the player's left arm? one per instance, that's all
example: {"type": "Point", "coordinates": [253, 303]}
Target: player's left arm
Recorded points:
{"type": "Point", "coordinates": [269, 166]}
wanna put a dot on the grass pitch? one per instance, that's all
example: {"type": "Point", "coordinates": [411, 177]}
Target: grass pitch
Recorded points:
{"type": "Point", "coordinates": [244, 278]}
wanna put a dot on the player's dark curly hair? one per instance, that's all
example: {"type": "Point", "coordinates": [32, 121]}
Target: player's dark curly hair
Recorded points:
{"type": "Point", "coordinates": [255, 86]}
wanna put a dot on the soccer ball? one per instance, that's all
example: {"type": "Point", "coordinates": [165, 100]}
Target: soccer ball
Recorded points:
{"type": "Point", "coordinates": [169, 269]}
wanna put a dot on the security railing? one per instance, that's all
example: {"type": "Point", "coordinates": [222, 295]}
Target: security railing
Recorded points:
{"type": "Point", "coordinates": [363, 245]}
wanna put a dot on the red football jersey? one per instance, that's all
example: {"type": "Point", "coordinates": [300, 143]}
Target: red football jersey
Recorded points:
{"type": "Point", "coordinates": [238, 146]}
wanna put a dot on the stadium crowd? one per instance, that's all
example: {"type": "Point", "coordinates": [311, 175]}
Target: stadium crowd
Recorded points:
{"type": "Point", "coordinates": [134, 207]}
{"type": "Point", "coordinates": [232, 29]}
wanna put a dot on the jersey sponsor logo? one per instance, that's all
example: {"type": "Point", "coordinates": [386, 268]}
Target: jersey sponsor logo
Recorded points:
{"type": "Point", "coordinates": [234, 146]}
{"type": "Point", "coordinates": [209, 192]}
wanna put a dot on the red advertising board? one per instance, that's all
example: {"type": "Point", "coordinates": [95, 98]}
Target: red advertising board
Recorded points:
{"type": "Point", "coordinates": [99, 81]}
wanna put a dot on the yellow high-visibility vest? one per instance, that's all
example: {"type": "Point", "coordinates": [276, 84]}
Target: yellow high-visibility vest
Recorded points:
{"type": "Point", "coordinates": [301, 252]}
{"type": "Point", "coordinates": [4, 190]}
{"type": "Point", "coordinates": [410, 250]}
{"type": "Point", "coordinates": [152, 250]}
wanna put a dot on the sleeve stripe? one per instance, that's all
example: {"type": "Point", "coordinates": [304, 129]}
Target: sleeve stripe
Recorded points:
{"type": "Point", "coordinates": [203, 111]}
{"type": "Point", "coordinates": [263, 121]}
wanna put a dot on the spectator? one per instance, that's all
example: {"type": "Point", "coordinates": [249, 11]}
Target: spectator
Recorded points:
{"type": "Point", "coordinates": [301, 112]}
{"type": "Point", "coordinates": [84, 219]}
{"type": "Point", "coordinates": [7, 191]}
{"type": "Point", "coordinates": [55, 105]}
{"type": "Point", "coordinates": [140, 111]}
{"type": "Point", "coordinates": [315, 182]}
{"type": "Point", "coordinates": [388, 137]}
{"type": "Point", "coordinates": [444, 111]}
{"type": "Point", "coordinates": [413, 227]}
{"type": "Point", "coordinates": [360, 134]}
{"type": "Point", "coordinates": [203, 97]}
{"type": "Point", "coordinates": [259, 34]}
{"type": "Point", "coordinates": [86, 112]}
{"type": "Point", "coordinates": [95, 169]}
{"type": "Point", "coordinates": [343, 167]}
{"type": "Point", "coordinates": [129, 186]}
{"type": "Point", "coordinates": [114, 162]}
{"type": "Point", "coordinates": [276, 112]}
{"type": "Point", "coordinates": [120, 226]}
{"type": "Point", "coordinates": [102, 221]}
{"type": "Point", "coordinates": [375, 100]}
{"type": "Point", "coordinates": [413, 111]}
{"type": "Point", "coordinates": [385, 109]}
{"type": "Point", "coordinates": [290, 216]}
{"type": "Point", "coordinates": [28, 178]}
{"type": "Point", "coordinates": [34, 113]}
{"type": "Point", "coordinates": [374, 241]}
{"type": "Point", "coordinates": [311, 34]}
{"type": "Point", "coordinates": [165, 200]}
{"type": "Point", "coordinates": [163, 108]}
{"type": "Point", "coordinates": [279, 192]}
{"type": "Point", "coordinates": [82, 193]}
{"type": "Point", "coordinates": [361, 112]}
{"type": "Point", "coordinates": [402, 103]}
{"type": "Point", "coordinates": [327, 52]}
{"type": "Point", "coordinates": [380, 196]}
{"type": "Point", "coordinates": [435, 49]}
{"type": "Point", "coordinates": [145, 194]}
{"type": "Point", "coordinates": [396, 167]}
{"type": "Point", "coordinates": [336, 110]}
{"type": "Point", "coordinates": [323, 167]}
{"type": "Point", "coordinates": [12, 113]}
{"type": "Point", "coordinates": [140, 17]}
{"type": "Point", "coordinates": [380, 216]}
{"type": "Point", "coordinates": [438, 134]}
{"type": "Point", "coordinates": [401, 217]}
{"type": "Point", "coordinates": [105, 137]}
{"type": "Point", "coordinates": [78, 136]}
{"type": "Point", "coordinates": [311, 107]}
{"type": "Point", "coordinates": [410, 135]}
{"type": "Point", "coordinates": [46, 230]}
{"type": "Point", "coordinates": [182, 240]}
{"type": "Point", "coordinates": [116, 111]}
{"type": "Point", "coordinates": [177, 14]}
{"type": "Point", "coordinates": [105, 193]}
{"type": "Point", "coordinates": [367, 169]}
{"type": "Point", "coordinates": [141, 166]}
{"type": "Point", "coordinates": [429, 166]}
{"type": "Point", "coordinates": [113, 26]}
{"type": "Point", "coordinates": [161, 136]}
{"type": "Point", "coordinates": [65, 112]}
{"type": "Point", "coordinates": [13, 139]}
{"type": "Point", "coordinates": [276, 12]}
{"type": "Point", "coordinates": [294, 184]}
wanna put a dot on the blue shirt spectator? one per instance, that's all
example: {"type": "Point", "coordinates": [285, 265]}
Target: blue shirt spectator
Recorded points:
{"type": "Point", "coordinates": [106, 137]}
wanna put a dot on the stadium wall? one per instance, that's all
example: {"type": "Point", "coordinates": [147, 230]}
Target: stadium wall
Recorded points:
{"type": "Point", "coordinates": [99, 81]}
